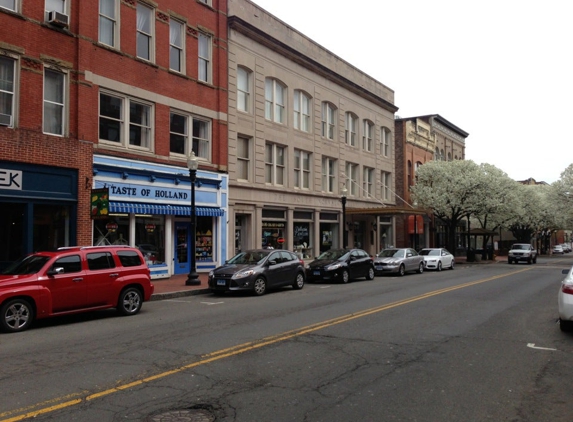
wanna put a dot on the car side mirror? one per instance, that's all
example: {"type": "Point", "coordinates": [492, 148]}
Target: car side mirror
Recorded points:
{"type": "Point", "coordinates": [272, 262]}
{"type": "Point", "coordinates": [54, 271]}
{"type": "Point", "coordinates": [409, 255]}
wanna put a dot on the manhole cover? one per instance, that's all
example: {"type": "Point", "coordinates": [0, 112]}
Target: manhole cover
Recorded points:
{"type": "Point", "coordinates": [185, 415]}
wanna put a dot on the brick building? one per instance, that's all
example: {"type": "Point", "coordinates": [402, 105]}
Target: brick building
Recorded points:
{"type": "Point", "coordinates": [113, 95]}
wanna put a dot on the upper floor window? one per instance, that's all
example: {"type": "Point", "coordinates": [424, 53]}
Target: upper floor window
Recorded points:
{"type": "Point", "coordinates": [386, 181]}
{"type": "Point", "coordinates": [9, 4]}
{"type": "Point", "coordinates": [7, 90]}
{"type": "Point", "coordinates": [301, 169]}
{"type": "Point", "coordinates": [207, 2]}
{"type": "Point", "coordinates": [274, 164]}
{"type": "Point", "coordinates": [108, 30]}
{"type": "Point", "coordinates": [176, 37]}
{"type": "Point", "coordinates": [367, 137]}
{"type": "Point", "coordinates": [243, 89]}
{"type": "Point", "coordinates": [328, 120]}
{"type": "Point", "coordinates": [351, 122]}
{"type": "Point", "coordinates": [54, 102]}
{"type": "Point", "coordinates": [204, 58]}
{"type": "Point", "coordinates": [55, 6]}
{"type": "Point", "coordinates": [328, 174]}
{"type": "Point", "coordinates": [385, 141]}
{"type": "Point", "coordinates": [145, 23]}
{"type": "Point", "coordinates": [352, 178]}
{"type": "Point", "coordinates": [180, 125]}
{"type": "Point", "coordinates": [243, 158]}
{"type": "Point", "coordinates": [367, 182]}
{"type": "Point", "coordinates": [274, 100]}
{"type": "Point", "coordinates": [301, 111]}
{"type": "Point", "coordinates": [125, 121]}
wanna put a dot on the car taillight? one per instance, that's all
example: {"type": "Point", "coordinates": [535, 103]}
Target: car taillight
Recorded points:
{"type": "Point", "coordinates": [301, 262]}
{"type": "Point", "coordinates": [567, 289]}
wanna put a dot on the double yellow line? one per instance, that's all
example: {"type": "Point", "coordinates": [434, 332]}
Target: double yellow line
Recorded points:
{"type": "Point", "coordinates": [78, 398]}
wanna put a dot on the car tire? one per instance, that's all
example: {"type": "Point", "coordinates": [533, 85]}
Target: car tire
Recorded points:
{"type": "Point", "coordinates": [535, 260]}
{"type": "Point", "coordinates": [420, 268]}
{"type": "Point", "coordinates": [298, 281]}
{"type": "Point", "coordinates": [370, 275]}
{"type": "Point", "coordinates": [401, 270]}
{"type": "Point", "coordinates": [529, 260]}
{"type": "Point", "coordinates": [565, 326]}
{"type": "Point", "coordinates": [345, 276]}
{"type": "Point", "coordinates": [130, 301]}
{"type": "Point", "coordinates": [260, 286]}
{"type": "Point", "coordinates": [452, 264]}
{"type": "Point", "coordinates": [509, 261]}
{"type": "Point", "coordinates": [439, 265]}
{"type": "Point", "coordinates": [17, 315]}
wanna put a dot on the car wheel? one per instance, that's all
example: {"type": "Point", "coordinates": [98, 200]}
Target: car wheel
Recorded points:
{"type": "Point", "coordinates": [529, 261]}
{"type": "Point", "coordinates": [439, 265]}
{"type": "Point", "coordinates": [345, 276]}
{"type": "Point", "coordinates": [130, 301]}
{"type": "Point", "coordinates": [17, 315]}
{"type": "Point", "coordinates": [370, 275]}
{"type": "Point", "coordinates": [452, 265]}
{"type": "Point", "coordinates": [421, 268]}
{"type": "Point", "coordinates": [260, 286]}
{"type": "Point", "coordinates": [401, 270]}
{"type": "Point", "coordinates": [565, 326]}
{"type": "Point", "coordinates": [509, 261]}
{"type": "Point", "coordinates": [535, 260]}
{"type": "Point", "coordinates": [298, 282]}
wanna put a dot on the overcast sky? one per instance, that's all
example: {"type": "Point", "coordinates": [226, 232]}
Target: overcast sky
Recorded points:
{"type": "Point", "coordinates": [500, 70]}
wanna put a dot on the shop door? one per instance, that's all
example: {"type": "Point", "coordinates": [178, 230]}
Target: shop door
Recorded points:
{"type": "Point", "coordinates": [182, 264]}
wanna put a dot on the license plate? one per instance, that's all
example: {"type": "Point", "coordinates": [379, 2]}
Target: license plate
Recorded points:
{"type": "Point", "coordinates": [379, 267]}
{"type": "Point", "coordinates": [316, 273]}
{"type": "Point", "coordinates": [221, 283]}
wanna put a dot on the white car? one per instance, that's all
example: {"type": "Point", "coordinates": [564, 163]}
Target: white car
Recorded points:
{"type": "Point", "coordinates": [437, 258]}
{"type": "Point", "coordinates": [557, 250]}
{"type": "Point", "coordinates": [565, 301]}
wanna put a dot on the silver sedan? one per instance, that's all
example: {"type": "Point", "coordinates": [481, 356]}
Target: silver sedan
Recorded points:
{"type": "Point", "coordinates": [398, 260]}
{"type": "Point", "coordinates": [437, 258]}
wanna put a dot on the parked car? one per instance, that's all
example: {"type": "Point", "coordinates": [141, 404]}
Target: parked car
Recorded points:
{"type": "Point", "coordinates": [73, 280]}
{"type": "Point", "coordinates": [258, 270]}
{"type": "Point", "coordinates": [565, 301]}
{"type": "Point", "coordinates": [340, 265]}
{"type": "Point", "coordinates": [558, 250]}
{"type": "Point", "coordinates": [399, 261]}
{"type": "Point", "coordinates": [437, 258]}
{"type": "Point", "coordinates": [566, 247]}
{"type": "Point", "coordinates": [522, 252]}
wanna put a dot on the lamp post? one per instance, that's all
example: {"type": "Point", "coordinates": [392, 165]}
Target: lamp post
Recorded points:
{"type": "Point", "coordinates": [344, 233]}
{"type": "Point", "coordinates": [192, 164]}
{"type": "Point", "coordinates": [415, 227]}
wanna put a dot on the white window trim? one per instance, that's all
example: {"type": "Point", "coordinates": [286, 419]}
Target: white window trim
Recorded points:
{"type": "Point", "coordinates": [352, 178]}
{"type": "Point", "coordinates": [150, 35]}
{"type": "Point", "coordinates": [351, 132]}
{"type": "Point", "coordinates": [368, 182]}
{"type": "Point", "coordinates": [115, 21]}
{"type": "Point", "coordinates": [328, 174]}
{"type": "Point", "coordinates": [385, 179]}
{"type": "Point", "coordinates": [190, 138]}
{"type": "Point", "coordinates": [271, 104]}
{"type": "Point", "coordinates": [246, 159]}
{"type": "Point", "coordinates": [327, 125]}
{"type": "Point", "coordinates": [247, 94]}
{"type": "Point", "coordinates": [65, 108]}
{"type": "Point", "coordinates": [202, 59]}
{"type": "Point", "coordinates": [16, 7]}
{"type": "Point", "coordinates": [367, 137]}
{"type": "Point", "coordinates": [181, 48]}
{"type": "Point", "coordinates": [65, 10]}
{"type": "Point", "coordinates": [275, 167]}
{"type": "Point", "coordinates": [385, 142]}
{"type": "Point", "coordinates": [300, 118]}
{"type": "Point", "coordinates": [15, 84]}
{"type": "Point", "coordinates": [300, 170]}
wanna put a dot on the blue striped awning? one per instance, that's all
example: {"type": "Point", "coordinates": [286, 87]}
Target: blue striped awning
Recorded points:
{"type": "Point", "coordinates": [161, 209]}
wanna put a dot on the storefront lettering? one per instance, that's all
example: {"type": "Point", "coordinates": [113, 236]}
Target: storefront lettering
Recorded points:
{"type": "Point", "coordinates": [10, 179]}
{"type": "Point", "coordinates": [123, 190]}
{"type": "Point", "coordinates": [146, 192]}
{"type": "Point", "coordinates": [170, 194]}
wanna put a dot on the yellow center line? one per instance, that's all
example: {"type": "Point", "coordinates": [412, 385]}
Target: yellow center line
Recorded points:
{"type": "Point", "coordinates": [68, 401]}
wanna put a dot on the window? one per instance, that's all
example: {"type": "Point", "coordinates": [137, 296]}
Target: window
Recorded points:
{"type": "Point", "coordinates": [125, 121]}
{"type": "Point", "coordinates": [70, 264]}
{"type": "Point", "coordinates": [200, 135]}
{"type": "Point", "coordinates": [243, 158]}
{"type": "Point", "coordinates": [204, 58]}
{"type": "Point", "coordinates": [328, 120]}
{"type": "Point", "coordinates": [207, 2]}
{"type": "Point", "coordinates": [351, 129]}
{"type": "Point", "coordinates": [129, 258]}
{"type": "Point", "coordinates": [55, 6]}
{"type": "Point", "coordinates": [108, 31]}
{"type": "Point", "coordinates": [176, 37]}
{"type": "Point", "coordinates": [243, 89]}
{"type": "Point", "coordinates": [274, 164]}
{"type": "Point", "coordinates": [100, 261]}
{"type": "Point", "coordinates": [274, 100]}
{"type": "Point", "coordinates": [367, 182]}
{"type": "Point", "coordinates": [386, 179]}
{"type": "Point", "coordinates": [144, 32]}
{"type": "Point", "coordinates": [9, 4]}
{"type": "Point", "coordinates": [301, 111]}
{"type": "Point", "coordinates": [301, 169]}
{"type": "Point", "coordinates": [352, 178]}
{"type": "Point", "coordinates": [7, 78]}
{"type": "Point", "coordinates": [437, 154]}
{"type": "Point", "coordinates": [367, 138]}
{"type": "Point", "coordinates": [54, 98]}
{"type": "Point", "coordinates": [385, 141]}
{"type": "Point", "coordinates": [328, 174]}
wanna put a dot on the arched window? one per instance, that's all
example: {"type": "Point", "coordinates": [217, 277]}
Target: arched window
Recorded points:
{"type": "Point", "coordinates": [302, 108]}
{"type": "Point", "coordinates": [275, 100]}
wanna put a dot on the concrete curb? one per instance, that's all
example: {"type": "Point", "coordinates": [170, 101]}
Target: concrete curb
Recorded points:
{"type": "Point", "coordinates": [181, 293]}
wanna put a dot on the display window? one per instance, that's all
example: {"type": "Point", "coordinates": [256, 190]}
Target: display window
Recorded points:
{"type": "Point", "coordinates": [150, 238]}
{"type": "Point", "coordinates": [111, 231]}
{"type": "Point", "coordinates": [273, 235]}
{"type": "Point", "coordinates": [302, 239]}
{"type": "Point", "coordinates": [204, 239]}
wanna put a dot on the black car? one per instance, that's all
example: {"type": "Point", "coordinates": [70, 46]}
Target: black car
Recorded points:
{"type": "Point", "coordinates": [258, 270]}
{"type": "Point", "coordinates": [341, 265]}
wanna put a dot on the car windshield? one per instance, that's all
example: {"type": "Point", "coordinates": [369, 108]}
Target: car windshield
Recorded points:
{"type": "Point", "coordinates": [391, 253]}
{"type": "Point", "coordinates": [30, 264]}
{"type": "Point", "coordinates": [430, 252]}
{"type": "Point", "coordinates": [520, 247]}
{"type": "Point", "coordinates": [333, 254]}
{"type": "Point", "coordinates": [249, 257]}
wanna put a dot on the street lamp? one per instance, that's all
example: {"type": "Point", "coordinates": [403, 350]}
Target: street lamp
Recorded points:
{"type": "Point", "coordinates": [192, 164]}
{"type": "Point", "coordinates": [344, 233]}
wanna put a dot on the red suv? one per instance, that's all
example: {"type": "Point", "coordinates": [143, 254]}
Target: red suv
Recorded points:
{"type": "Point", "coordinates": [72, 280]}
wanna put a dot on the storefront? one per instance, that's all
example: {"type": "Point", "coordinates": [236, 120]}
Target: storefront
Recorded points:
{"type": "Point", "coordinates": [38, 208]}
{"type": "Point", "coordinates": [150, 208]}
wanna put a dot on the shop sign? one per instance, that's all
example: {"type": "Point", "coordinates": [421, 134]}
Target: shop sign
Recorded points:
{"type": "Point", "coordinates": [150, 228]}
{"type": "Point", "coordinates": [281, 240]}
{"type": "Point", "coordinates": [99, 203]}
{"type": "Point", "coordinates": [111, 227]}
{"type": "Point", "coordinates": [273, 225]}
{"type": "Point", "coordinates": [10, 179]}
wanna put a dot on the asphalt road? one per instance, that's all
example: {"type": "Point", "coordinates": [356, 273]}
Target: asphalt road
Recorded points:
{"type": "Point", "coordinates": [477, 343]}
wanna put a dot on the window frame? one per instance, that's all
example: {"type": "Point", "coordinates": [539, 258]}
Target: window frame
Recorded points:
{"type": "Point", "coordinates": [351, 129]}
{"type": "Point", "coordinates": [328, 169]}
{"type": "Point", "coordinates": [385, 184]}
{"type": "Point", "coordinates": [302, 117]}
{"type": "Point", "coordinates": [63, 9]}
{"type": "Point", "coordinates": [244, 160]}
{"type": "Point", "coordinates": [302, 171]}
{"type": "Point", "coordinates": [352, 178]}
{"type": "Point", "coordinates": [149, 36]}
{"type": "Point", "coordinates": [368, 181]}
{"type": "Point", "coordinates": [114, 21]}
{"type": "Point", "coordinates": [328, 120]}
{"type": "Point", "coordinates": [273, 168]}
{"type": "Point", "coordinates": [368, 135]}
{"type": "Point", "coordinates": [180, 49]}
{"type": "Point", "coordinates": [16, 7]}
{"type": "Point", "coordinates": [204, 62]}
{"type": "Point", "coordinates": [202, 152]}
{"type": "Point", "coordinates": [244, 92]}
{"type": "Point", "coordinates": [14, 92]}
{"type": "Point", "coordinates": [385, 141]}
{"type": "Point", "coordinates": [63, 105]}
{"type": "Point", "coordinates": [272, 105]}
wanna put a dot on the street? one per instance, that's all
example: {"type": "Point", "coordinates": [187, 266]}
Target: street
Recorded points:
{"type": "Point", "coordinates": [479, 343]}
